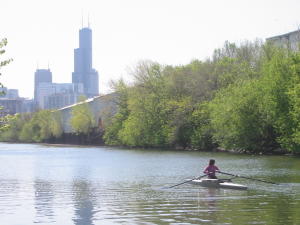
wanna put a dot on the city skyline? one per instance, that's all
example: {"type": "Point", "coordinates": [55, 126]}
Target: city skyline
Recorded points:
{"type": "Point", "coordinates": [84, 72]}
{"type": "Point", "coordinates": [169, 32]}
{"type": "Point", "coordinates": [85, 80]}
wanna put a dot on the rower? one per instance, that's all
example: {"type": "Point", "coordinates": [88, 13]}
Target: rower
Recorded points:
{"type": "Point", "coordinates": [211, 169]}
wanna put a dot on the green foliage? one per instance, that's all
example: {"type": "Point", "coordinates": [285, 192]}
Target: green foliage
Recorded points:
{"type": "Point", "coordinates": [179, 122]}
{"type": "Point", "coordinates": [56, 124]}
{"type": "Point", "coordinates": [167, 106]}
{"type": "Point", "coordinates": [238, 118]}
{"type": "Point", "coordinates": [11, 127]}
{"type": "Point", "coordinates": [145, 125]}
{"type": "Point", "coordinates": [234, 64]}
{"type": "Point", "coordinates": [42, 126]}
{"type": "Point", "coordinates": [194, 81]}
{"type": "Point", "coordinates": [246, 97]}
{"type": "Point", "coordinates": [281, 96]}
{"type": "Point", "coordinates": [261, 114]}
{"type": "Point", "coordinates": [82, 120]}
{"type": "Point", "coordinates": [115, 124]}
{"type": "Point", "coordinates": [3, 43]}
{"type": "Point", "coordinates": [202, 136]}
{"type": "Point", "coordinates": [36, 127]}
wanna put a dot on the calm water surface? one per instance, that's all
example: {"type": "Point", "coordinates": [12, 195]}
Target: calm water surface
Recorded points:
{"type": "Point", "coordinates": [95, 185]}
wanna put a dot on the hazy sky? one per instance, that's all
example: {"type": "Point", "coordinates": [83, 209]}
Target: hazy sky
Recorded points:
{"type": "Point", "coordinates": [126, 31]}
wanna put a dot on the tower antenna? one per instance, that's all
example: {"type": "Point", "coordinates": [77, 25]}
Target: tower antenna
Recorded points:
{"type": "Point", "coordinates": [88, 20]}
{"type": "Point", "coordinates": [82, 18]}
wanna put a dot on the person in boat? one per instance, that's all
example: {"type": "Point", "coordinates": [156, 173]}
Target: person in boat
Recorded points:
{"type": "Point", "coordinates": [211, 169]}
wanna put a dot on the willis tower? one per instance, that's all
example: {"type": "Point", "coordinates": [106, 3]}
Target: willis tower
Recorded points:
{"type": "Point", "coordinates": [83, 69]}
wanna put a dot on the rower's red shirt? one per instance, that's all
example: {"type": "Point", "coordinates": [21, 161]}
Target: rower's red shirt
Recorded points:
{"type": "Point", "coordinates": [211, 169]}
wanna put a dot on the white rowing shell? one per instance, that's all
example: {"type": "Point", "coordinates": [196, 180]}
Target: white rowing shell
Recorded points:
{"type": "Point", "coordinates": [215, 183]}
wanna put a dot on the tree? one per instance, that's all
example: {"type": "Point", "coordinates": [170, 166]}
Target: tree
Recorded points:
{"type": "Point", "coordinates": [42, 126]}
{"type": "Point", "coordinates": [245, 98]}
{"type": "Point", "coordinates": [202, 131]}
{"type": "Point", "coordinates": [239, 119]}
{"type": "Point", "coordinates": [82, 119]}
{"type": "Point", "coordinates": [12, 127]}
{"type": "Point", "coordinates": [281, 96]}
{"type": "Point", "coordinates": [115, 124]}
{"type": "Point", "coordinates": [3, 43]}
{"type": "Point", "coordinates": [147, 120]}
{"type": "Point", "coordinates": [56, 124]}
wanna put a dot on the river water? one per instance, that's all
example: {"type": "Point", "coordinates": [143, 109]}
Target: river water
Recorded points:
{"type": "Point", "coordinates": [66, 185]}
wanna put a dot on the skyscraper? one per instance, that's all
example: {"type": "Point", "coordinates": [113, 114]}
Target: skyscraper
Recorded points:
{"type": "Point", "coordinates": [41, 76]}
{"type": "Point", "coordinates": [83, 69]}
{"type": "Point", "coordinates": [45, 90]}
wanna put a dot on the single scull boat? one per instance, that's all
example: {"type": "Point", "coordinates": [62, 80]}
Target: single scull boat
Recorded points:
{"type": "Point", "coordinates": [218, 183]}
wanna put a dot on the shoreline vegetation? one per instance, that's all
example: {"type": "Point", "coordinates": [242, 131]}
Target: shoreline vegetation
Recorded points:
{"type": "Point", "coordinates": [245, 98]}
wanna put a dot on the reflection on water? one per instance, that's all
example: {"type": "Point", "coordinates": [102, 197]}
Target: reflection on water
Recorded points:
{"type": "Point", "coordinates": [90, 186]}
{"type": "Point", "coordinates": [43, 201]}
{"type": "Point", "coordinates": [83, 203]}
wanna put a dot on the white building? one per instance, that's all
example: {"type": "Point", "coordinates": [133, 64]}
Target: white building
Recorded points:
{"type": "Point", "coordinates": [290, 40]}
{"type": "Point", "coordinates": [68, 93]}
{"type": "Point", "coordinates": [102, 107]}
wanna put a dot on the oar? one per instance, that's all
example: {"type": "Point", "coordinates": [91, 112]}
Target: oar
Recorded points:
{"type": "Point", "coordinates": [187, 181]}
{"type": "Point", "coordinates": [249, 178]}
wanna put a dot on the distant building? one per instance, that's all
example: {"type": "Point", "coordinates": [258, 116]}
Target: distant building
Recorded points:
{"type": "Point", "coordinates": [10, 102]}
{"type": "Point", "coordinates": [83, 68]}
{"type": "Point", "coordinates": [11, 106]}
{"type": "Point", "coordinates": [85, 81]}
{"type": "Point", "coordinates": [29, 105]}
{"type": "Point", "coordinates": [56, 95]}
{"type": "Point", "coordinates": [12, 93]}
{"type": "Point", "coordinates": [61, 100]}
{"type": "Point", "coordinates": [41, 76]}
{"type": "Point", "coordinates": [16, 105]}
{"type": "Point", "coordinates": [48, 95]}
{"type": "Point", "coordinates": [289, 40]}
{"type": "Point", "coordinates": [102, 107]}
{"type": "Point", "coordinates": [9, 93]}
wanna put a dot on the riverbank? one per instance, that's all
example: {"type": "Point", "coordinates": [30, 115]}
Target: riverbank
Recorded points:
{"type": "Point", "coordinates": [216, 150]}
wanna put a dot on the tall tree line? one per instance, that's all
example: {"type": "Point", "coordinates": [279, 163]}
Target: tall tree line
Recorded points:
{"type": "Point", "coordinates": [245, 98]}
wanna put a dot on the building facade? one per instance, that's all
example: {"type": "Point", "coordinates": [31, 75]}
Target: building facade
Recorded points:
{"type": "Point", "coordinates": [56, 95]}
{"type": "Point", "coordinates": [10, 102]}
{"type": "Point", "coordinates": [41, 76]}
{"type": "Point", "coordinates": [83, 67]}
{"type": "Point", "coordinates": [9, 93]}
{"type": "Point", "coordinates": [11, 106]}
{"type": "Point", "coordinates": [102, 107]}
{"type": "Point", "coordinates": [289, 40]}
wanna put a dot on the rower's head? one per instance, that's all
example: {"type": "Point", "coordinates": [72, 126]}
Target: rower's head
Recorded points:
{"type": "Point", "coordinates": [211, 162]}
